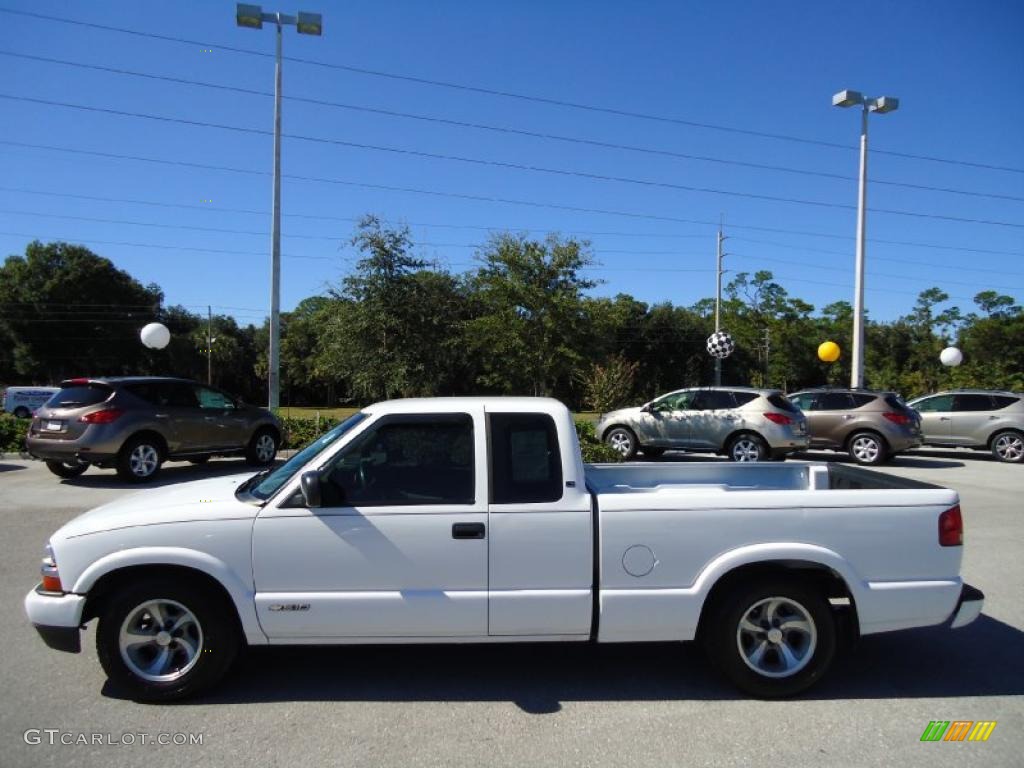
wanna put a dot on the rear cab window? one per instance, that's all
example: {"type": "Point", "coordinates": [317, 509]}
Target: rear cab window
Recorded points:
{"type": "Point", "coordinates": [972, 403]}
{"type": "Point", "coordinates": [860, 399]}
{"type": "Point", "coordinates": [525, 466]}
{"type": "Point", "coordinates": [1003, 401]}
{"type": "Point", "coordinates": [742, 398]}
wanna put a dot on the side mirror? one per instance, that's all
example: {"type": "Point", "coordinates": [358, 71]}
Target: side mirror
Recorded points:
{"type": "Point", "coordinates": [646, 408]}
{"type": "Point", "coordinates": [310, 484]}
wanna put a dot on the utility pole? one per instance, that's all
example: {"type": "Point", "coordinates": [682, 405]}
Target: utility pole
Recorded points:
{"type": "Point", "coordinates": [718, 299]}
{"type": "Point", "coordinates": [209, 345]}
{"type": "Point", "coordinates": [767, 353]}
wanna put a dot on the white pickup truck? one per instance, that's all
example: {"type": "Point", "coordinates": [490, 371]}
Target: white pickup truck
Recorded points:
{"type": "Point", "coordinates": [475, 520]}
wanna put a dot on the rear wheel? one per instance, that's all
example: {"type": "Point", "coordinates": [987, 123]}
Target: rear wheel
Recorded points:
{"type": "Point", "coordinates": [139, 460]}
{"type": "Point", "coordinates": [1008, 446]}
{"type": "Point", "coordinates": [67, 469]}
{"type": "Point", "coordinates": [747, 447]}
{"type": "Point", "coordinates": [622, 441]}
{"type": "Point", "coordinates": [867, 448]}
{"type": "Point", "coordinates": [166, 639]}
{"type": "Point", "coordinates": [772, 638]}
{"type": "Point", "coordinates": [262, 448]}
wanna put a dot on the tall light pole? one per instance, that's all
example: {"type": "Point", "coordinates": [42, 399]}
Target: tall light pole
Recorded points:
{"type": "Point", "coordinates": [252, 16]}
{"type": "Point", "coordinates": [881, 105]}
{"type": "Point", "coordinates": [718, 298]}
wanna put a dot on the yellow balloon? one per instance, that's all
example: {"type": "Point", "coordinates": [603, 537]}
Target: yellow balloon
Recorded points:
{"type": "Point", "coordinates": [828, 351]}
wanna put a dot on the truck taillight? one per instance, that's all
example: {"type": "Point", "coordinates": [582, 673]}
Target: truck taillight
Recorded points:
{"type": "Point", "coordinates": [897, 418]}
{"type": "Point", "coordinates": [778, 418]}
{"type": "Point", "coordinates": [105, 416]}
{"type": "Point", "coordinates": [51, 578]}
{"type": "Point", "coordinates": [951, 528]}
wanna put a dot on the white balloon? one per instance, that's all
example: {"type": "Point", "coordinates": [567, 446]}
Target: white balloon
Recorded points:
{"type": "Point", "coordinates": [155, 336]}
{"type": "Point", "coordinates": [951, 356]}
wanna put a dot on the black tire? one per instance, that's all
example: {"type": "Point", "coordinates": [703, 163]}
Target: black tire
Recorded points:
{"type": "Point", "coordinates": [214, 635]}
{"type": "Point", "coordinates": [66, 469]}
{"type": "Point", "coordinates": [623, 441]}
{"type": "Point", "coordinates": [1008, 446]}
{"type": "Point", "coordinates": [653, 453]}
{"type": "Point", "coordinates": [867, 448]}
{"type": "Point", "coordinates": [259, 452]}
{"type": "Point", "coordinates": [732, 648]}
{"type": "Point", "coordinates": [747, 447]}
{"type": "Point", "coordinates": [139, 459]}
{"type": "Point", "coordinates": [199, 460]}
{"type": "Point", "coordinates": [21, 412]}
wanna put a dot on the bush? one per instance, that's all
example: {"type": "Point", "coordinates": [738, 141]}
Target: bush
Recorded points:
{"type": "Point", "coordinates": [300, 432]}
{"type": "Point", "coordinates": [594, 451]}
{"type": "Point", "coordinates": [12, 433]}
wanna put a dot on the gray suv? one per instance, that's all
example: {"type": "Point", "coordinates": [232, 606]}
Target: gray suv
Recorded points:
{"type": "Point", "coordinates": [871, 426]}
{"type": "Point", "coordinates": [744, 424]}
{"type": "Point", "coordinates": [136, 423]}
{"type": "Point", "coordinates": [975, 418]}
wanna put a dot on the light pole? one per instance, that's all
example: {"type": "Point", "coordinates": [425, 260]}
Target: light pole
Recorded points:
{"type": "Point", "coordinates": [252, 16]}
{"type": "Point", "coordinates": [882, 104]}
{"type": "Point", "coordinates": [719, 254]}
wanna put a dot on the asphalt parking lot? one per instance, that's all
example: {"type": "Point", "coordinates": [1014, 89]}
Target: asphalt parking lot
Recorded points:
{"type": "Point", "coordinates": [530, 705]}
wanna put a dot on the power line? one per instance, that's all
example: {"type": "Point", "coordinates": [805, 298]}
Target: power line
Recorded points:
{"type": "Point", "coordinates": [514, 131]}
{"type": "Point", "coordinates": [509, 94]}
{"type": "Point", "coordinates": [509, 165]}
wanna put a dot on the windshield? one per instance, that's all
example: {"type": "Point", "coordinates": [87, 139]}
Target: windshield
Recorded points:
{"type": "Point", "coordinates": [270, 484]}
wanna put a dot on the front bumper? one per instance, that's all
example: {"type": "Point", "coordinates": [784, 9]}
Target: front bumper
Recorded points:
{"type": "Point", "coordinates": [968, 607]}
{"type": "Point", "coordinates": [57, 618]}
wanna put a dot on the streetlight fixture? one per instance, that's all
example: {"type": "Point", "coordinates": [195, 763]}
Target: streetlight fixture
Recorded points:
{"type": "Point", "coordinates": [881, 105]}
{"type": "Point", "coordinates": [252, 17]}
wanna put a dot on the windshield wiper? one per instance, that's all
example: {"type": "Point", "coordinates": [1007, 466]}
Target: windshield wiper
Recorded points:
{"type": "Point", "coordinates": [249, 482]}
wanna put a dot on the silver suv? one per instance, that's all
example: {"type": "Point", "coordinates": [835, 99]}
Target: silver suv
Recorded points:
{"type": "Point", "coordinates": [136, 423]}
{"type": "Point", "coordinates": [744, 424]}
{"type": "Point", "coordinates": [975, 418]}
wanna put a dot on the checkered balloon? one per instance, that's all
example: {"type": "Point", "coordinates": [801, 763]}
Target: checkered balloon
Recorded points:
{"type": "Point", "coordinates": [720, 344]}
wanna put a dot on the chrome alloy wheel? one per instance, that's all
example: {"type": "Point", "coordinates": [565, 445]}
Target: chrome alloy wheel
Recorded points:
{"type": "Point", "coordinates": [160, 640]}
{"type": "Point", "coordinates": [621, 442]}
{"type": "Point", "coordinates": [776, 637]}
{"type": "Point", "coordinates": [866, 449]}
{"type": "Point", "coordinates": [1009, 447]}
{"type": "Point", "coordinates": [144, 460]}
{"type": "Point", "coordinates": [746, 449]}
{"type": "Point", "coordinates": [265, 448]}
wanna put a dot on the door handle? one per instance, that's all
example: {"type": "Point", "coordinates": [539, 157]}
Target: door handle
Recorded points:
{"type": "Point", "coordinates": [943, 418]}
{"type": "Point", "coordinates": [467, 530]}
{"type": "Point", "coordinates": [160, 415]}
{"type": "Point", "coordinates": [992, 418]}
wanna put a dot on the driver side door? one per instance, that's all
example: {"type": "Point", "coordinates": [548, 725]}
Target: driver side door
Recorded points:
{"type": "Point", "coordinates": [398, 548]}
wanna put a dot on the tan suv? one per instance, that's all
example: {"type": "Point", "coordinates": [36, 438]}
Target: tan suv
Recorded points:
{"type": "Point", "coordinates": [871, 426]}
{"type": "Point", "coordinates": [975, 418]}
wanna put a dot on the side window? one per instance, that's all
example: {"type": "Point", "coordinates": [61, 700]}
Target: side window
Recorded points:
{"type": "Point", "coordinates": [177, 394]}
{"type": "Point", "coordinates": [834, 401]}
{"type": "Point", "coordinates": [972, 403]}
{"type": "Point", "coordinates": [712, 399]}
{"type": "Point", "coordinates": [144, 390]}
{"type": "Point", "coordinates": [803, 402]}
{"type": "Point", "coordinates": [860, 399]}
{"type": "Point", "coordinates": [1002, 401]}
{"type": "Point", "coordinates": [742, 398]}
{"type": "Point", "coordinates": [525, 463]}
{"type": "Point", "coordinates": [213, 399]}
{"type": "Point", "coordinates": [937, 403]}
{"type": "Point", "coordinates": [405, 460]}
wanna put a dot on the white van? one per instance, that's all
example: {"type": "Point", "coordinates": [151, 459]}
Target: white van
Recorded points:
{"type": "Point", "coordinates": [23, 401]}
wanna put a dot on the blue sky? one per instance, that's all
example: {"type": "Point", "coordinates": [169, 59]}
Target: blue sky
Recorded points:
{"type": "Point", "coordinates": [957, 67]}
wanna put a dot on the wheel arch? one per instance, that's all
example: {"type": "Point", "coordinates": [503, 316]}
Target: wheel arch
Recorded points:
{"type": "Point", "coordinates": [102, 578]}
{"type": "Point", "coordinates": [859, 430]}
{"type": "Point", "coordinates": [618, 425]}
{"type": "Point", "coordinates": [999, 431]}
{"type": "Point", "coordinates": [160, 440]}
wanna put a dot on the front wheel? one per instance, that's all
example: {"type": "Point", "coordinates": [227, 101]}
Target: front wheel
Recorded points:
{"type": "Point", "coordinates": [1008, 446]}
{"type": "Point", "coordinates": [67, 469]}
{"type": "Point", "coordinates": [747, 447]}
{"type": "Point", "coordinates": [772, 638]}
{"type": "Point", "coordinates": [622, 441]}
{"type": "Point", "coordinates": [21, 412]}
{"type": "Point", "coordinates": [867, 448]}
{"type": "Point", "coordinates": [262, 448]}
{"type": "Point", "coordinates": [166, 639]}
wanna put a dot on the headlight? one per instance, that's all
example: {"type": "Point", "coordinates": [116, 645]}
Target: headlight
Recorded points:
{"type": "Point", "coordinates": [51, 579]}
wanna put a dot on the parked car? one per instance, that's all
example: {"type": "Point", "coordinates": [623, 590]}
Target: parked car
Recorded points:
{"type": "Point", "coordinates": [744, 424]}
{"type": "Point", "coordinates": [136, 423]}
{"type": "Point", "coordinates": [23, 401]}
{"type": "Point", "coordinates": [871, 426]}
{"type": "Point", "coordinates": [458, 520]}
{"type": "Point", "coordinates": [975, 418]}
